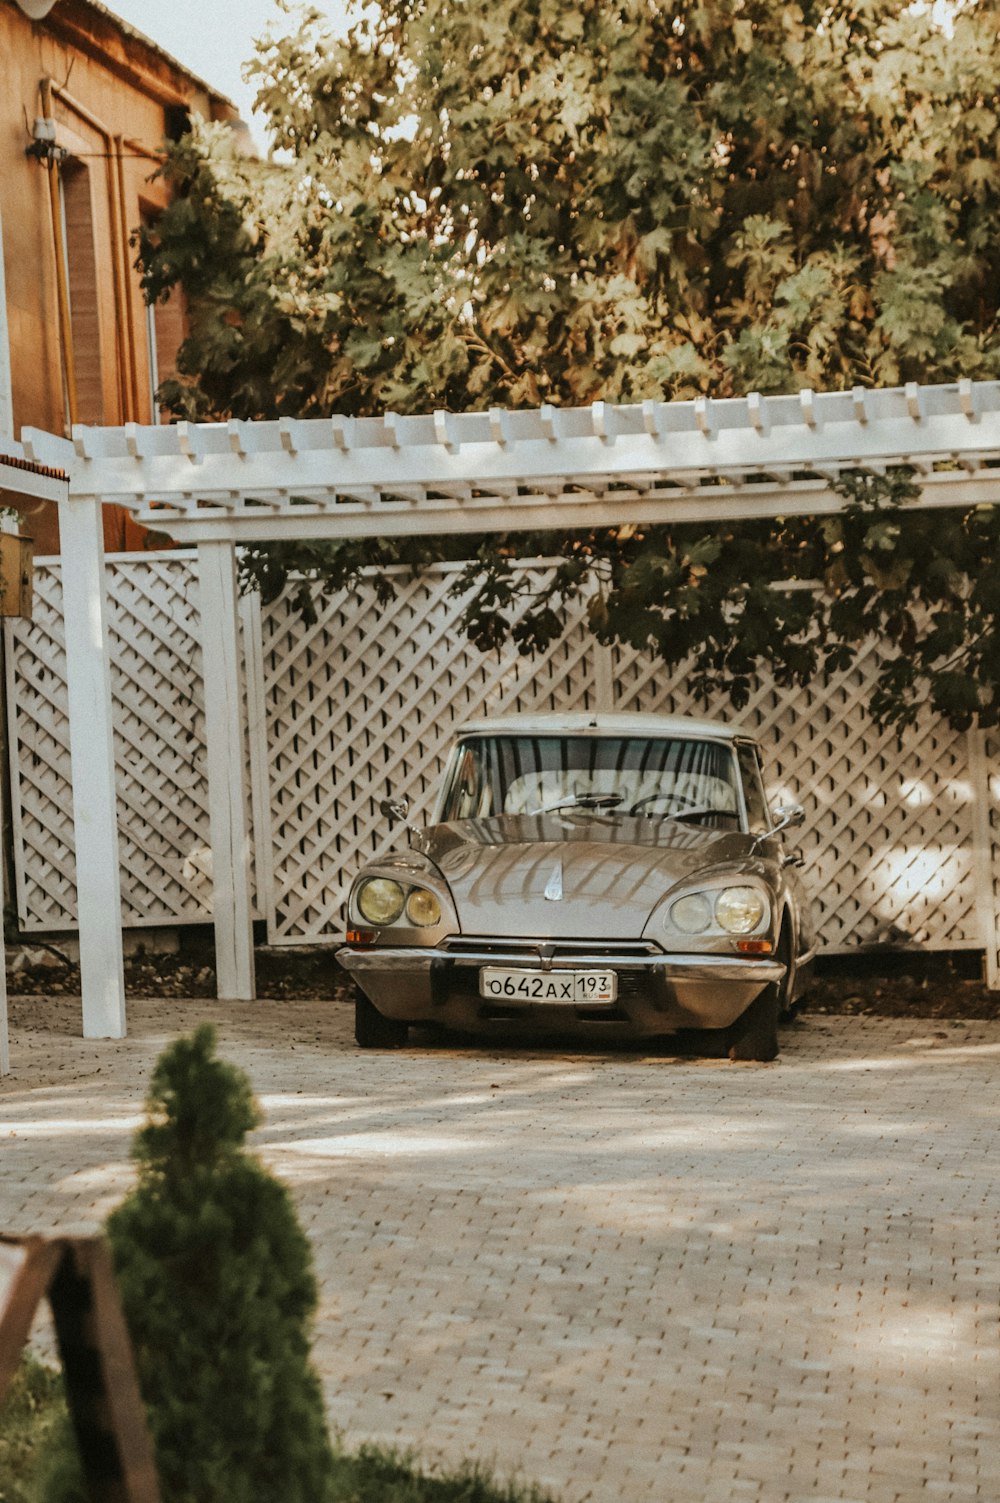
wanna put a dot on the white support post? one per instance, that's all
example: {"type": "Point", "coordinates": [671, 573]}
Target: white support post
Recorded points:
{"type": "Point", "coordinates": [4, 1033]}
{"type": "Point", "coordinates": [227, 780]}
{"type": "Point", "coordinates": [92, 752]}
{"type": "Point", "coordinates": [986, 864]}
{"type": "Point", "coordinates": [260, 783]}
{"type": "Point", "coordinates": [5, 657]}
{"type": "Point", "coordinates": [6, 431]}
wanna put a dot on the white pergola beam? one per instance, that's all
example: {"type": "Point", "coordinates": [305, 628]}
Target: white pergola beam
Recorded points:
{"type": "Point", "coordinates": [739, 437]}
{"type": "Point", "coordinates": [232, 913]}
{"type": "Point", "coordinates": [91, 739]}
{"type": "Point", "coordinates": [546, 513]}
{"type": "Point", "coordinates": [21, 478]}
{"type": "Point", "coordinates": [711, 419]}
{"type": "Point", "coordinates": [218, 477]}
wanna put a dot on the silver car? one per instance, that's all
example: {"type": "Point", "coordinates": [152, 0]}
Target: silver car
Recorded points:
{"type": "Point", "coordinates": [610, 876]}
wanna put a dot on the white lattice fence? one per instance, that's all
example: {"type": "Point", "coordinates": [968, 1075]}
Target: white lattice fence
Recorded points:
{"type": "Point", "coordinates": [888, 834]}
{"type": "Point", "coordinates": [364, 702]}
{"type": "Point", "coordinates": [159, 748]}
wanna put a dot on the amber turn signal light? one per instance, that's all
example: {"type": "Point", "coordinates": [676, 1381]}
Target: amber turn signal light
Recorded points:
{"type": "Point", "coordinates": [754, 946]}
{"type": "Point", "coordinates": [361, 936]}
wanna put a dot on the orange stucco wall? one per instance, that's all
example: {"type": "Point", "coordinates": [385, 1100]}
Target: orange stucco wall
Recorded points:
{"type": "Point", "coordinates": [112, 98]}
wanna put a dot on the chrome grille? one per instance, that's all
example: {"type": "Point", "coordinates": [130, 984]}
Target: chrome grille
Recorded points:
{"type": "Point", "coordinates": [551, 949]}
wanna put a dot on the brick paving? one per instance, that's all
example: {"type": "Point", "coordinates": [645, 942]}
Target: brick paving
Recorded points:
{"type": "Point", "coordinates": [622, 1276]}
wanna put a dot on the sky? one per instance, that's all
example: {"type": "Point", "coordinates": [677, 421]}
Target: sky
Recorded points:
{"type": "Point", "coordinates": [214, 37]}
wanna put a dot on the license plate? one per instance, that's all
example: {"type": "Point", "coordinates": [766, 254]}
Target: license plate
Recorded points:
{"type": "Point", "coordinates": [501, 984]}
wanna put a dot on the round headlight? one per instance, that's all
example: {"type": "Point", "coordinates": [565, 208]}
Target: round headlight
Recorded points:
{"type": "Point", "coordinates": [739, 909]}
{"type": "Point", "coordinates": [422, 908]}
{"type": "Point", "coordinates": [692, 915]}
{"type": "Point", "coordinates": [380, 900]}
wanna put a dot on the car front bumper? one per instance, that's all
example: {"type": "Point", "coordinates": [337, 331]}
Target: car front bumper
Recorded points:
{"type": "Point", "coordinates": [657, 993]}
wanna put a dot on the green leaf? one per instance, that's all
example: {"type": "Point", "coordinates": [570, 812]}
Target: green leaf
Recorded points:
{"type": "Point", "coordinates": [552, 203]}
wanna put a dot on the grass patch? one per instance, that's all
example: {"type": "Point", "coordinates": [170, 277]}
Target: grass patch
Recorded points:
{"type": "Point", "coordinates": [34, 1404]}
{"type": "Point", "coordinates": [374, 1475]}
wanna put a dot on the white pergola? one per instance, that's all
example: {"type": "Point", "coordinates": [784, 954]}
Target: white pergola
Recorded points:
{"type": "Point", "coordinates": [221, 485]}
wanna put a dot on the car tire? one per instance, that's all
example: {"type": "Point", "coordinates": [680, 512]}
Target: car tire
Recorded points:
{"type": "Point", "coordinates": [372, 1029]}
{"type": "Point", "coordinates": [786, 1007]}
{"type": "Point", "coordinates": [754, 1035]}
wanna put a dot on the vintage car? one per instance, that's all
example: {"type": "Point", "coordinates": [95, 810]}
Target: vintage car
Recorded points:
{"type": "Point", "coordinates": [602, 875]}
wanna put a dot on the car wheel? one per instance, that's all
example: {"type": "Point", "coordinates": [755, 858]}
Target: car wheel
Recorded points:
{"type": "Point", "coordinates": [372, 1029]}
{"type": "Point", "coordinates": [786, 1007]}
{"type": "Point", "coordinates": [755, 1034]}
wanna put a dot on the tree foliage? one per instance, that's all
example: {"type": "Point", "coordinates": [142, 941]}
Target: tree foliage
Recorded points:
{"type": "Point", "coordinates": [543, 202]}
{"type": "Point", "coordinates": [746, 595]}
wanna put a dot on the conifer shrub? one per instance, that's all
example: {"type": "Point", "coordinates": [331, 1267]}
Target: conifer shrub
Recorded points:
{"type": "Point", "coordinates": [216, 1282]}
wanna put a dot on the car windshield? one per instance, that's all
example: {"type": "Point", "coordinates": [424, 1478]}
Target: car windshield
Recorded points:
{"type": "Point", "coordinates": [659, 777]}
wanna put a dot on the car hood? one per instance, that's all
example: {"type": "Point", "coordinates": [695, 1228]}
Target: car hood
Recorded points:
{"type": "Point", "coordinates": [604, 874]}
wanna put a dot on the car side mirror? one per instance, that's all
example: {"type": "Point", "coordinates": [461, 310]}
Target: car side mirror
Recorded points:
{"type": "Point", "coordinates": [395, 808]}
{"type": "Point", "coordinates": [786, 817]}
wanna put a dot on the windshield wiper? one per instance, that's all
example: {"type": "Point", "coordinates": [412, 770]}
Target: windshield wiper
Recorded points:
{"type": "Point", "coordinates": [685, 814]}
{"type": "Point", "coordinates": [582, 801]}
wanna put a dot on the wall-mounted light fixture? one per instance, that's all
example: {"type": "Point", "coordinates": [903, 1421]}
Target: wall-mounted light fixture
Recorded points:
{"type": "Point", "coordinates": [43, 143]}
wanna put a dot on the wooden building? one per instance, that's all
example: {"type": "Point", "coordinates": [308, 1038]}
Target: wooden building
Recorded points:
{"type": "Point", "coordinates": [86, 106]}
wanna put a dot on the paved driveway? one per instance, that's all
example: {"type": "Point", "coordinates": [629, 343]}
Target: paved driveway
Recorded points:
{"type": "Point", "coordinates": [627, 1277]}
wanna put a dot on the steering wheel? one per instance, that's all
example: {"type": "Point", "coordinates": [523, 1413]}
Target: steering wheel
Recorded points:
{"type": "Point", "coordinates": [652, 798]}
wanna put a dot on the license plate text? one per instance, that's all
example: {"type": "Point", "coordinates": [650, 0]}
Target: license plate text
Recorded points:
{"type": "Point", "coordinates": [502, 984]}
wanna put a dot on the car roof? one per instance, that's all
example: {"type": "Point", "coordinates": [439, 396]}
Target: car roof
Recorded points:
{"type": "Point", "coordinates": [604, 725]}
